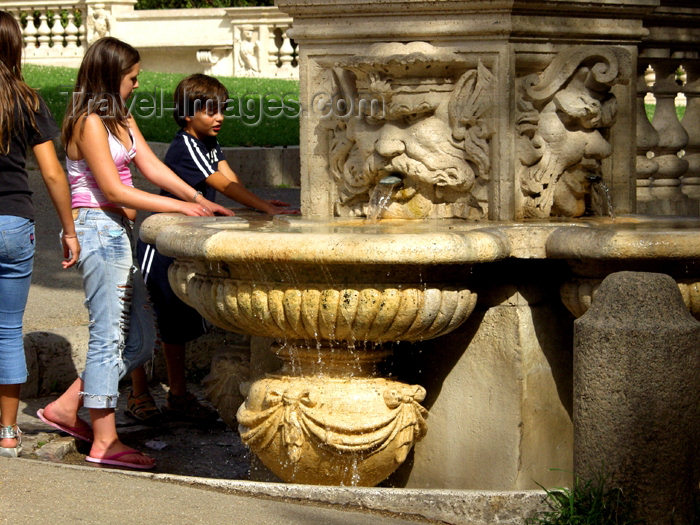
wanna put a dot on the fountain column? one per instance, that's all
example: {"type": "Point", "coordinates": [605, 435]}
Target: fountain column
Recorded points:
{"type": "Point", "coordinates": [637, 394]}
{"type": "Point", "coordinates": [470, 94]}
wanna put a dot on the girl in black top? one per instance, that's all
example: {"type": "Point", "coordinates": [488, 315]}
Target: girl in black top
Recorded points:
{"type": "Point", "coordinates": [25, 122]}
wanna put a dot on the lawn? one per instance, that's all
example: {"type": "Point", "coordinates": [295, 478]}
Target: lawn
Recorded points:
{"type": "Point", "coordinates": [261, 112]}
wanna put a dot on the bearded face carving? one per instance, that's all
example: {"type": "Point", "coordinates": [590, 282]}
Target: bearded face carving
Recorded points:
{"type": "Point", "coordinates": [430, 133]}
{"type": "Point", "coordinates": [563, 116]}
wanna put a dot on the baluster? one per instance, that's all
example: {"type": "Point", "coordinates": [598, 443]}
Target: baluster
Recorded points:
{"type": "Point", "coordinates": [71, 33]}
{"type": "Point", "coordinates": [273, 49]}
{"type": "Point", "coordinates": [286, 53]}
{"type": "Point", "coordinates": [44, 32]}
{"type": "Point", "coordinates": [80, 12]}
{"type": "Point", "coordinates": [666, 188]}
{"type": "Point", "coordinates": [30, 32]}
{"type": "Point", "coordinates": [691, 123]}
{"type": "Point", "coordinates": [56, 31]}
{"type": "Point", "coordinates": [647, 139]}
{"type": "Point", "coordinates": [295, 56]}
{"type": "Point", "coordinates": [17, 15]}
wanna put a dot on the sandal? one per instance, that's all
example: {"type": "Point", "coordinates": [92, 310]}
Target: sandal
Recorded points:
{"type": "Point", "coordinates": [11, 432]}
{"type": "Point", "coordinates": [142, 408]}
{"type": "Point", "coordinates": [188, 408]}
{"type": "Point", "coordinates": [114, 460]}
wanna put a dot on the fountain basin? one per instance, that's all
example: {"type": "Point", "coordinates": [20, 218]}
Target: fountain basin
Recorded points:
{"type": "Point", "coordinates": [331, 293]}
{"type": "Point", "coordinates": [669, 245]}
{"type": "Point", "coordinates": [334, 293]}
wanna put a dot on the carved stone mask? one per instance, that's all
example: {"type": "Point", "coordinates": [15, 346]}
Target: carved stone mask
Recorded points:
{"type": "Point", "coordinates": [427, 130]}
{"type": "Point", "coordinates": [562, 117]}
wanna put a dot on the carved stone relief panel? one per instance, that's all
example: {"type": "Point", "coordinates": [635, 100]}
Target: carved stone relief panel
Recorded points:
{"type": "Point", "coordinates": [416, 116]}
{"type": "Point", "coordinates": [246, 41]}
{"type": "Point", "coordinates": [563, 119]}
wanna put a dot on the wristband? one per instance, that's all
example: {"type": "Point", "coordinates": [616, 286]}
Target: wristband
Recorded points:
{"type": "Point", "coordinates": [197, 194]}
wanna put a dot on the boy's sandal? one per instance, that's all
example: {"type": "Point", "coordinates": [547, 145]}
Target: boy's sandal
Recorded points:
{"type": "Point", "coordinates": [188, 408]}
{"type": "Point", "coordinates": [142, 408]}
{"type": "Point", "coordinates": [11, 432]}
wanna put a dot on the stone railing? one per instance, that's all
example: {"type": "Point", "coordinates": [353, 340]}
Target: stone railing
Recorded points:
{"type": "Point", "coordinates": [668, 147]}
{"type": "Point", "coordinates": [56, 33]}
{"type": "Point", "coordinates": [243, 42]}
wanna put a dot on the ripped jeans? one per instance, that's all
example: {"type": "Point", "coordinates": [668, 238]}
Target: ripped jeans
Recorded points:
{"type": "Point", "coordinates": [122, 328]}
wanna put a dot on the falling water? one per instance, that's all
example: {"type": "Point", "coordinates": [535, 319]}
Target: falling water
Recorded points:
{"type": "Point", "coordinates": [381, 195]}
{"type": "Point", "coordinates": [601, 203]}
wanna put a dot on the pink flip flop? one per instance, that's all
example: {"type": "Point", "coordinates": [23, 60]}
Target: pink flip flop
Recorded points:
{"type": "Point", "coordinates": [73, 431]}
{"type": "Point", "coordinates": [114, 460]}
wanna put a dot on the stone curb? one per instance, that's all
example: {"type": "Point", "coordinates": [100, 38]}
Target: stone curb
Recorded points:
{"type": "Point", "coordinates": [56, 449]}
{"type": "Point", "coordinates": [467, 507]}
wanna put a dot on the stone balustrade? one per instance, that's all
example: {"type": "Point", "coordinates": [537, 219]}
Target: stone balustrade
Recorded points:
{"type": "Point", "coordinates": [242, 42]}
{"type": "Point", "coordinates": [668, 147]}
{"type": "Point", "coordinates": [54, 33]}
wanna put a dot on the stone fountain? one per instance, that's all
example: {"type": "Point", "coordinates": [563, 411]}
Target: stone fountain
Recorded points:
{"type": "Point", "coordinates": [453, 156]}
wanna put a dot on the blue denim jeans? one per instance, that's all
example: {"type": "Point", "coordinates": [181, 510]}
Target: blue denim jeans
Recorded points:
{"type": "Point", "coordinates": [16, 262]}
{"type": "Point", "coordinates": [122, 328]}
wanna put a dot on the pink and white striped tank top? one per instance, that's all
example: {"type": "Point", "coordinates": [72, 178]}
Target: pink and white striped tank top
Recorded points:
{"type": "Point", "coordinates": [85, 192]}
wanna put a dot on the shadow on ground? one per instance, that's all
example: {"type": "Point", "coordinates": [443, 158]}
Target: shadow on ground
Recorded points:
{"type": "Point", "coordinates": [180, 447]}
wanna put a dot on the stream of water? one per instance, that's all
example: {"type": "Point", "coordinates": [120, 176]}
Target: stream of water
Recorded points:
{"type": "Point", "coordinates": [381, 196]}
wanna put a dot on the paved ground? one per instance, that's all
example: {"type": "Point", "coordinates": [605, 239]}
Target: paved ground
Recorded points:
{"type": "Point", "coordinates": [180, 448]}
{"type": "Point", "coordinates": [37, 492]}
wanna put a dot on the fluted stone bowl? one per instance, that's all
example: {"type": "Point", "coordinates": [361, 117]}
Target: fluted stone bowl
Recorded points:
{"type": "Point", "coordinates": [332, 292]}
{"type": "Point", "coordinates": [296, 279]}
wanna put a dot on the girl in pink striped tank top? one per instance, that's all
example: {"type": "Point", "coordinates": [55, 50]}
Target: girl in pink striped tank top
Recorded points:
{"type": "Point", "coordinates": [101, 139]}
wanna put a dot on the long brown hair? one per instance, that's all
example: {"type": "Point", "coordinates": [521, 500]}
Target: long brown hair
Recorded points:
{"type": "Point", "coordinates": [97, 87]}
{"type": "Point", "coordinates": [13, 90]}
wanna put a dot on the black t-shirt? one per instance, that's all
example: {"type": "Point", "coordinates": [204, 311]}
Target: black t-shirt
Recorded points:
{"type": "Point", "coordinates": [193, 160]}
{"type": "Point", "coordinates": [15, 195]}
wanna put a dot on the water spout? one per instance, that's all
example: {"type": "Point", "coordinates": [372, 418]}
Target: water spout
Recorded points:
{"type": "Point", "coordinates": [381, 196]}
{"type": "Point", "coordinates": [390, 180]}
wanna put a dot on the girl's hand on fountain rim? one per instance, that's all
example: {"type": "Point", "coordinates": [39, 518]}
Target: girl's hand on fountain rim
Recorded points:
{"type": "Point", "coordinates": [217, 209]}
{"type": "Point", "coordinates": [194, 209]}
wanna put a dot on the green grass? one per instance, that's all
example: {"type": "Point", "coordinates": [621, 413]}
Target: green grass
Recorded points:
{"type": "Point", "coordinates": [263, 112]}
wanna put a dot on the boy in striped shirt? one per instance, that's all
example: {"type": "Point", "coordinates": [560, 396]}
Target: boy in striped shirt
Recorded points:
{"type": "Point", "coordinates": [195, 156]}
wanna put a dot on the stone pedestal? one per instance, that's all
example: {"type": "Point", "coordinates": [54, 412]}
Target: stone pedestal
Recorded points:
{"type": "Point", "coordinates": [637, 394]}
{"type": "Point", "coordinates": [499, 396]}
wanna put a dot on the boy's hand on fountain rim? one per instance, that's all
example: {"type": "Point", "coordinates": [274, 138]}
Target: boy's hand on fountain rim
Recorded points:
{"type": "Point", "coordinates": [289, 211]}
{"type": "Point", "coordinates": [279, 203]}
{"type": "Point", "coordinates": [283, 211]}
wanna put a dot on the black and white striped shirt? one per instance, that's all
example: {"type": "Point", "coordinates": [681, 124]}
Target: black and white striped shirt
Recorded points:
{"type": "Point", "coordinates": [194, 160]}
